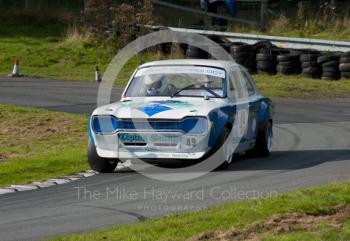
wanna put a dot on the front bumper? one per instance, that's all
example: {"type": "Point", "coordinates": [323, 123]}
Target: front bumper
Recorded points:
{"type": "Point", "coordinates": [130, 154]}
{"type": "Point", "coordinates": [186, 147]}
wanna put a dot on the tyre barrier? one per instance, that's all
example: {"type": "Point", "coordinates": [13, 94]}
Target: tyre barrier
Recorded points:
{"type": "Point", "coordinates": [288, 64]}
{"type": "Point", "coordinates": [344, 65]}
{"type": "Point", "coordinates": [196, 53]}
{"type": "Point", "coordinates": [330, 66]}
{"type": "Point", "coordinates": [265, 58]}
{"type": "Point", "coordinates": [309, 65]}
{"type": "Point", "coordinates": [244, 54]}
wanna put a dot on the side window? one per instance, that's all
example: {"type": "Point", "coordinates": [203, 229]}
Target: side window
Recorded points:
{"type": "Point", "coordinates": [249, 84]}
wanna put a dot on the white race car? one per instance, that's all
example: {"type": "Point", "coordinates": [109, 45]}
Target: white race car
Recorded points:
{"type": "Point", "coordinates": [179, 109]}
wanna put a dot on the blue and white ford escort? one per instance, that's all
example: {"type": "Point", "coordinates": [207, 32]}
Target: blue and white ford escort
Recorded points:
{"type": "Point", "coordinates": [183, 110]}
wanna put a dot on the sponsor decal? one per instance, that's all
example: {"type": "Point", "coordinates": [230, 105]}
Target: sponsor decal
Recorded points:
{"type": "Point", "coordinates": [154, 107]}
{"type": "Point", "coordinates": [182, 70]}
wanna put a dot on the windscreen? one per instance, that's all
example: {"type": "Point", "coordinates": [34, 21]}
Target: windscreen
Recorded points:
{"type": "Point", "coordinates": [195, 81]}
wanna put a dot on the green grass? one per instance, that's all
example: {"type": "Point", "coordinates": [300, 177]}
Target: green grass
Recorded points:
{"type": "Point", "coordinates": [36, 144]}
{"type": "Point", "coordinates": [181, 226]}
{"type": "Point", "coordinates": [301, 87]}
{"type": "Point", "coordinates": [47, 52]}
{"type": "Point", "coordinates": [323, 232]}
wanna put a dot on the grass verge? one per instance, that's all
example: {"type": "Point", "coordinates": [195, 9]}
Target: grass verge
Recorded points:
{"type": "Point", "coordinates": [37, 144]}
{"type": "Point", "coordinates": [47, 52]}
{"type": "Point", "coordinates": [301, 87]}
{"type": "Point", "coordinates": [323, 201]}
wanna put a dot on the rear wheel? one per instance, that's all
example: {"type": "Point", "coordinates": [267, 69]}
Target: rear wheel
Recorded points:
{"type": "Point", "coordinates": [99, 164]}
{"type": "Point", "coordinates": [263, 146]}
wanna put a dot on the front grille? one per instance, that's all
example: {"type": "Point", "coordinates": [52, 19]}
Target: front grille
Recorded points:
{"type": "Point", "coordinates": [193, 125]}
{"type": "Point", "coordinates": [150, 125]}
{"type": "Point", "coordinates": [111, 124]}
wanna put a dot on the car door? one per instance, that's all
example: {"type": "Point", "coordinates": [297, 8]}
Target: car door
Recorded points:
{"type": "Point", "coordinates": [254, 103]}
{"type": "Point", "coordinates": [241, 101]}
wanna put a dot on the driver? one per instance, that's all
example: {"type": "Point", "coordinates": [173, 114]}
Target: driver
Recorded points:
{"type": "Point", "coordinates": [156, 85]}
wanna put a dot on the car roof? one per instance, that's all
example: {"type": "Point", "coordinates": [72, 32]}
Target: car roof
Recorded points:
{"type": "Point", "coordinates": [204, 62]}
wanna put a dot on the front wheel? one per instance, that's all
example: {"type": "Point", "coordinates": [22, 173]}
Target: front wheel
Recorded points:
{"type": "Point", "coordinates": [227, 162]}
{"type": "Point", "coordinates": [263, 146]}
{"type": "Point", "coordinates": [99, 164]}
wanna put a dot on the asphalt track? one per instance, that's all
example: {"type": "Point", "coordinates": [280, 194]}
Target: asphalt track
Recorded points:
{"type": "Point", "coordinates": [312, 147]}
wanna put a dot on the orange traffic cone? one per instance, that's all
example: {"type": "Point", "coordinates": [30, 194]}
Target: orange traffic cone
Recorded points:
{"type": "Point", "coordinates": [15, 71]}
{"type": "Point", "coordinates": [98, 77]}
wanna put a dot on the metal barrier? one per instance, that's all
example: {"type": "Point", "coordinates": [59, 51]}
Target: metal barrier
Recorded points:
{"type": "Point", "coordinates": [285, 42]}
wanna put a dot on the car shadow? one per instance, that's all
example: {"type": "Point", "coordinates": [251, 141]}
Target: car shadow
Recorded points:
{"type": "Point", "coordinates": [288, 160]}
{"type": "Point", "coordinates": [278, 160]}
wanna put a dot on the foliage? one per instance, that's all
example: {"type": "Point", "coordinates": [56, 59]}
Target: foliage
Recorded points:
{"type": "Point", "coordinates": [130, 20]}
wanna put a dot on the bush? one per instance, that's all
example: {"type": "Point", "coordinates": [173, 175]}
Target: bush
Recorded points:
{"type": "Point", "coordinates": [97, 17]}
{"type": "Point", "coordinates": [130, 21]}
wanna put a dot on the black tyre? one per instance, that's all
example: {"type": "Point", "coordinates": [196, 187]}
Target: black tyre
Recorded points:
{"type": "Point", "coordinates": [287, 70]}
{"type": "Point", "coordinates": [330, 69]}
{"type": "Point", "coordinates": [217, 39]}
{"type": "Point", "coordinates": [266, 57]}
{"type": "Point", "coordinates": [308, 57]}
{"type": "Point", "coordinates": [265, 65]}
{"type": "Point", "coordinates": [344, 60]}
{"type": "Point", "coordinates": [288, 58]}
{"type": "Point", "coordinates": [165, 48]}
{"type": "Point", "coordinates": [226, 132]}
{"type": "Point", "coordinates": [331, 64]}
{"type": "Point", "coordinates": [312, 70]}
{"type": "Point", "coordinates": [346, 55]}
{"type": "Point", "coordinates": [226, 46]}
{"type": "Point", "coordinates": [263, 144]}
{"type": "Point", "coordinates": [304, 51]}
{"type": "Point", "coordinates": [333, 74]}
{"type": "Point", "coordinates": [262, 44]}
{"type": "Point", "coordinates": [309, 64]}
{"type": "Point", "coordinates": [345, 74]}
{"type": "Point", "coordinates": [344, 67]}
{"type": "Point", "coordinates": [99, 164]}
{"type": "Point", "coordinates": [288, 64]}
{"type": "Point", "coordinates": [327, 58]}
{"type": "Point", "coordinates": [271, 51]}
{"type": "Point", "coordinates": [242, 54]}
{"type": "Point", "coordinates": [241, 48]}
{"type": "Point", "coordinates": [240, 60]}
{"type": "Point", "coordinates": [196, 53]}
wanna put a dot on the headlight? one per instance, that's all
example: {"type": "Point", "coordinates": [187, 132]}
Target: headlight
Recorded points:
{"type": "Point", "coordinates": [104, 124]}
{"type": "Point", "coordinates": [194, 125]}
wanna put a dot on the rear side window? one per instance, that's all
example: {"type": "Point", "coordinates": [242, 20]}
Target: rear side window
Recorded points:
{"type": "Point", "coordinates": [249, 83]}
{"type": "Point", "coordinates": [246, 80]}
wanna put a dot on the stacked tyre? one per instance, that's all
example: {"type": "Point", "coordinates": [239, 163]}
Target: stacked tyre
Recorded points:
{"type": "Point", "coordinates": [330, 66]}
{"type": "Point", "coordinates": [243, 54]}
{"type": "Point", "coordinates": [218, 50]}
{"type": "Point", "coordinates": [309, 65]}
{"type": "Point", "coordinates": [266, 60]}
{"type": "Point", "coordinates": [288, 64]}
{"type": "Point", "coordinates": [196, 53]}
{"type": "Point", "coordinates": [344, 65]}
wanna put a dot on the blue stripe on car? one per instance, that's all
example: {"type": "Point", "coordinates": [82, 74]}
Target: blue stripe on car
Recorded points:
{"type": "Point", "coordinates": [264, 111]}
{"type": "Point", "coordinates": [220, 118]}
{"type": "Point", "coordinates": [90, 131]}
